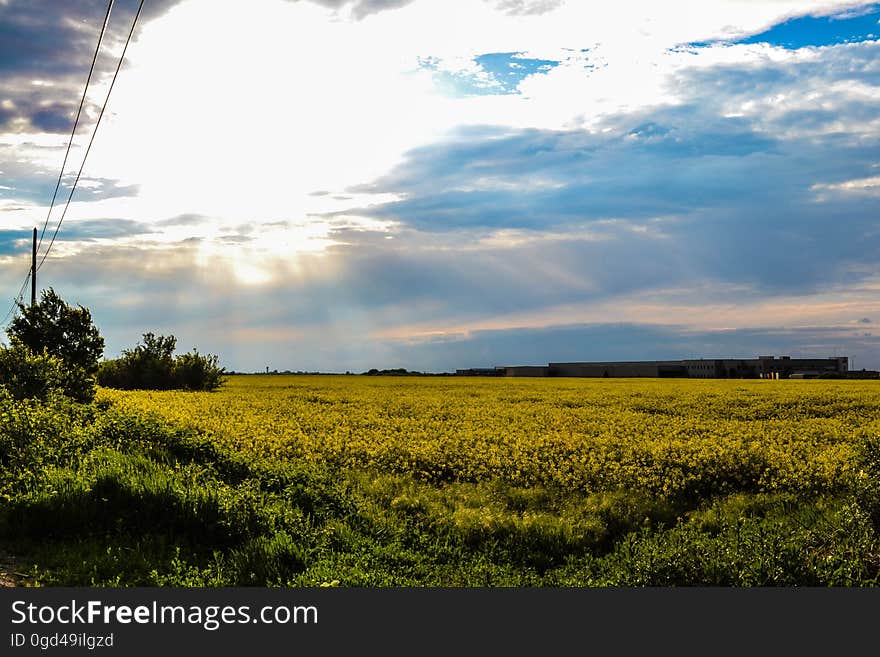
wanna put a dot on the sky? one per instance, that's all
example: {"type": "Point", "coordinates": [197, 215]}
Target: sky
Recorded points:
{"type": "Point", "coordinates": [338, 185]}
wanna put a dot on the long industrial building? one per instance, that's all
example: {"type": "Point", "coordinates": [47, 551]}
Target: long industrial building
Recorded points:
{"type": "Point", "coordinates": [762, 367]}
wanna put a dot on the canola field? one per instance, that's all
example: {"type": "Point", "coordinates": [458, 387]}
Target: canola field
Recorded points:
{"type": "Point", "coordinates": [447, 481]}
{"type": "Point", "coordinates": [458, 481]}
{"type": "Point", "coordinates": [677, 438]}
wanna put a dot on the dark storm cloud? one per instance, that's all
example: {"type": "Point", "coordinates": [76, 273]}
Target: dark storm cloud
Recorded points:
{"type": "Point", "coordinates": [37, 108]}
{"type": "Point", "coordinates": [43, 38]}
{"type": "Point", "coordinates": [54, 42]}
{"type": "Point", "coordinates": [52, 119]}
{"type": "Point", "coordinates": [46, 38]}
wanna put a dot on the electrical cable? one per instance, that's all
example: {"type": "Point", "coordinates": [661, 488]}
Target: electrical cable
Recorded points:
{"type": "Point", "coordinates": [76, 120]}
{"type": "Point", "coordinates": [17, 298]}
{"type": "Point", "coordinates": [82, 100]}
{"type": "Point", "coordinates": [92, 140]}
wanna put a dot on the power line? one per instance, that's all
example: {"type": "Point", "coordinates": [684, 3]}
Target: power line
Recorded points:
{"type": "Point", "coordinates": [94, 132]}
{"type": "Point", "coordinates": [82, 100]}
{"type": "Point", "coordinates": [76, 120]}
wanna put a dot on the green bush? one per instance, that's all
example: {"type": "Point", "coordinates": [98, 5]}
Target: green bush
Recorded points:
{"type": "Point", "coordinates": [26, 375]}
{"type": "Point", "coordinates": [113, 374]}
{"type": "Point", "coordinates": [152, 366]}
{"type": "Point", "coordinates": [193, 371]}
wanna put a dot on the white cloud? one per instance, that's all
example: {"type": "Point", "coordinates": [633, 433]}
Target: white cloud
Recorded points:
{"type": "Point", "coordinates": [240, 112]}
{"type": "Point", "coordinates": [868, 187]}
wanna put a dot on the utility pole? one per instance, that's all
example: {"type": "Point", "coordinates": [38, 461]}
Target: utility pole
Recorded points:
{"type": "Point", "coordinates": [34, 271]}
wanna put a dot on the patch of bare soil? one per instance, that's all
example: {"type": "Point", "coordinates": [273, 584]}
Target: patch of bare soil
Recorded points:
{"type": "Point", "coordinates": [10, 571]}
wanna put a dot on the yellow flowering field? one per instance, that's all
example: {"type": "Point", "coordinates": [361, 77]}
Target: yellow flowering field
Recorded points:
{"type": "Point", "coordinates": [670, 437]}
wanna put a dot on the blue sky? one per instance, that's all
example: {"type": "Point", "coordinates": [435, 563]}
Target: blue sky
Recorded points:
{"type": "Point", "coordinates": [334, 185]}
{"type": "Point", "coordinates": [853, 26]}
{"type": "Point", "coordinates": [494, 73]}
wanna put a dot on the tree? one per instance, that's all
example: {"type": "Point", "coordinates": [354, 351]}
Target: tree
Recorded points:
{"type": "Point", "coordinates": [153, 366]}
{"type": "Point", "coordinates": [152, 363]}
{"type": "Point", "coordinates": [26, 375]}
{"type": "Point", "coordinates": [54, 328]}
{"type": "Point", "coordinates": [157, 347]}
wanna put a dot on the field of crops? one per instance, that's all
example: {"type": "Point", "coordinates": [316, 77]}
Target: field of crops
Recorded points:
{"type": "Point", "coordinates": [669, 437]}
{"type": "Point", "coordinates": [449, 481]}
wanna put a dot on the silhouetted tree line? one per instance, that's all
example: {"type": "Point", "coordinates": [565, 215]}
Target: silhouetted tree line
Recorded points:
{"type": "Point", "coordinates": [397, 371]}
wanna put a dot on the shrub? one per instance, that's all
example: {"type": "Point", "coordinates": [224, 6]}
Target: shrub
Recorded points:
{"type": "Point", "coordinates": [26, 375]}
{"type": "Point", "coordinates": [152, 366]}
{"type": "Point", "coordinates": [193, 371]}
{"type": "Point", "coordinates": [114, 374]}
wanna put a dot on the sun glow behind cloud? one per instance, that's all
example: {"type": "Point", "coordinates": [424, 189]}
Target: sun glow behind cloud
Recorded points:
{"type": "Point", "coordinates": [235, 112]}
